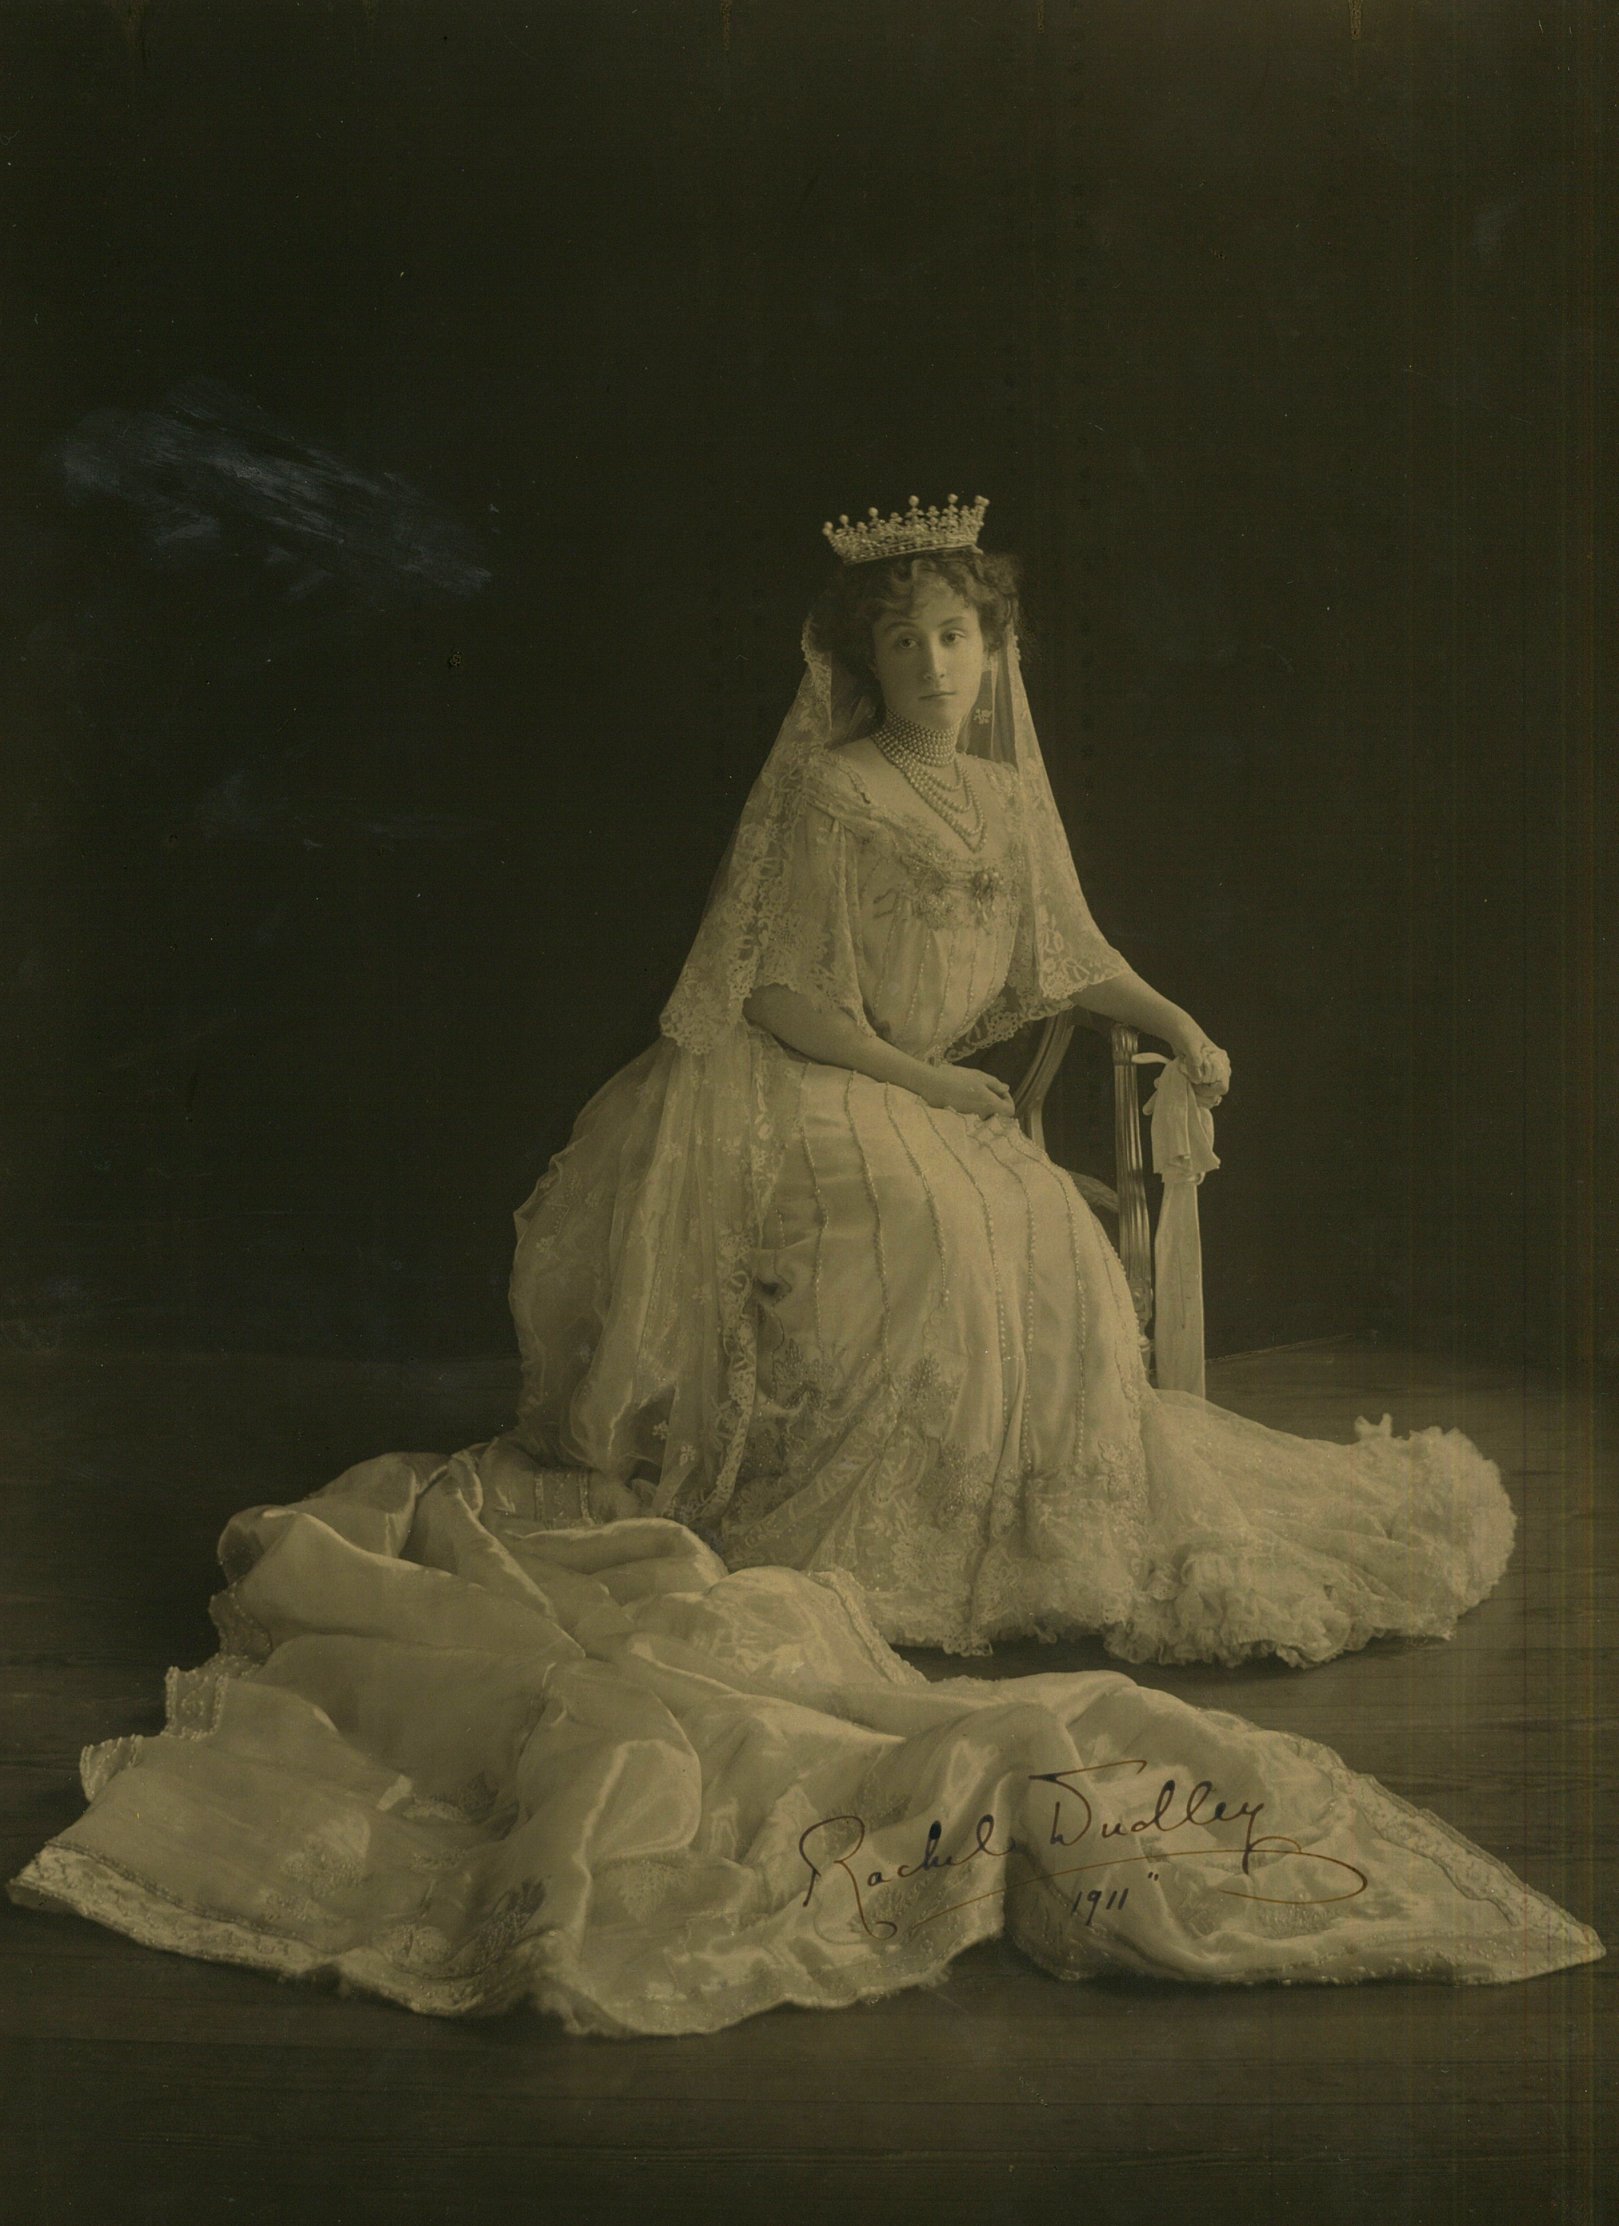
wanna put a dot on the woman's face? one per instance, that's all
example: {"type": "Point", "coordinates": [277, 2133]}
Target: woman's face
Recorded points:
{"type": "Point", "coordinates": [930, 659]}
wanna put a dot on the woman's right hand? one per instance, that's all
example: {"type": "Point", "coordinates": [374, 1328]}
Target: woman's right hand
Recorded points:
{"type": "Point", "coordinates": [971, 1091]}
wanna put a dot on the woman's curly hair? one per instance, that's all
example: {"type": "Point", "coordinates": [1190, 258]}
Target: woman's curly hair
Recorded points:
{"type": "Point", "coordinates": [847, 610]}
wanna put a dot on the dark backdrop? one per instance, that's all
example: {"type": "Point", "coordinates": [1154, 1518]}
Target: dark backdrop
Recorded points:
{"type": "Point", "coordinates": [332, 895]}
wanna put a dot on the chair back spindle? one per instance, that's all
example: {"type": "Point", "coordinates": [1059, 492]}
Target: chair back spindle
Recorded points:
{"type": "Point", "coordinates": [1127, 1202]}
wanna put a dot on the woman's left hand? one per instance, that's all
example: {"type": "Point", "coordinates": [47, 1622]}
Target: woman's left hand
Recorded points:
{"type": "Point", "coordinates": [1208, 1069]}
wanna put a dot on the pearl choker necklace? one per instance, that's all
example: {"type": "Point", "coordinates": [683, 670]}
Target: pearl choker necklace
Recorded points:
{"type": "Point", "coordinates": [932, 746]}
{"type": "Point", "coordinates": [920, 754]}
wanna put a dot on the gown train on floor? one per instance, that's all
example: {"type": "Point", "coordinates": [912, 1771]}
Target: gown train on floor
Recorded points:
{"type": "Point", "coordinates": [464, 1750]}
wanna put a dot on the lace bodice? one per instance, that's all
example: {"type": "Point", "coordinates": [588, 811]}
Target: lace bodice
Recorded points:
{"type": "Point", "coordinates": [887, 920]}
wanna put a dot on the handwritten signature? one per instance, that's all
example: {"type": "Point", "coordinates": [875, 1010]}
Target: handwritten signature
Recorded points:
{"type": "Point", "coordinates": [1074, 1824]}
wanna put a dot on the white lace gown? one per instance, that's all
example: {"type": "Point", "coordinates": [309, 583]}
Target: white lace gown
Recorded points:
{"type": "Point", "coordinates": [467, 1746]}
{"type": "Point", "coordinates": [932, 1370]}
{"type": "Point", "coordinates": [460, 1755]}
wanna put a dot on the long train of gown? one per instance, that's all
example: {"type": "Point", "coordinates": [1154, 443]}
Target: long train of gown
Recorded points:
{"type": "Point", "coordinates": [907, 1342]}
{"type": "Point", "coordinates": [464, 1752]}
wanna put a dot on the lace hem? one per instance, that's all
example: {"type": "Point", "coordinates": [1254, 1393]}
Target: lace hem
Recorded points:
{"type": "Point", "coordinates": [539, 1972]}
{"type": "Point", "coordinates": [540, 1967]}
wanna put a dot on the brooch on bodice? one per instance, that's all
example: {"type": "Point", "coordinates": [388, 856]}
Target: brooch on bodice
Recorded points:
{"type": "Point", "coordinates": [940, 889]}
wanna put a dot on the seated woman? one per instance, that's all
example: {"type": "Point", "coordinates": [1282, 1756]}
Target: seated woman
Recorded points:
{"type": "Point", "coordinates": [801, 1280]}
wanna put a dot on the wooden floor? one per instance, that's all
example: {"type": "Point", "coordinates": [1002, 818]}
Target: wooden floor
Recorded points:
{"type": "Point", "coordinates": [142, 2087]}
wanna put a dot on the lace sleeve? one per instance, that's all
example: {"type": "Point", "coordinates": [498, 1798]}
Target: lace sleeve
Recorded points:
{"type": "Point", "coordinates": [1058, 950]}
{"type": "Point", "coordinates": [809, 936]}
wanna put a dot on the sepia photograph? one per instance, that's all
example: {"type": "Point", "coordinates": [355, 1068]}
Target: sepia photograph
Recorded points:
{"type": "Point", "coordinates": [807, 1336]}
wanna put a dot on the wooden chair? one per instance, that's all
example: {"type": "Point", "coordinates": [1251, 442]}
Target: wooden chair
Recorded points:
{"type": "Point", "coordinates": [1125, 1200]}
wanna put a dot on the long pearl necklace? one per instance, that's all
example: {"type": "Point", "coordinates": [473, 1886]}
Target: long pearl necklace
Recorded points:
{"type": "Point", "coordinates": [920, 753]}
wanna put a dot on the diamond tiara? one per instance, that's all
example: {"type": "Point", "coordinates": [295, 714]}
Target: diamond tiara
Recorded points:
{"type": "Point", "coordinates": [907, 533]}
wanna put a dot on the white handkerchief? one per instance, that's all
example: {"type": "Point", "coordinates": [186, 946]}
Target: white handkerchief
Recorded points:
{"type": "Point", "coordinates": [1182, 1154]}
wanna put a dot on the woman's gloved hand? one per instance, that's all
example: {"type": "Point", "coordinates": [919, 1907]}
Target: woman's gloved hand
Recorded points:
{"type": "Point", "coordinates": [1207, 1067]}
